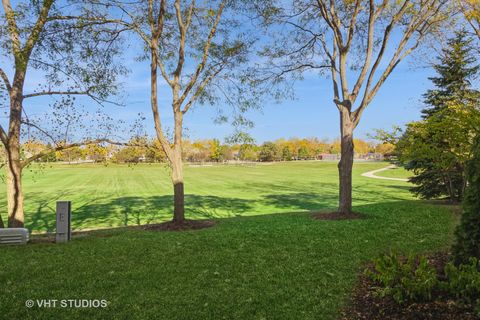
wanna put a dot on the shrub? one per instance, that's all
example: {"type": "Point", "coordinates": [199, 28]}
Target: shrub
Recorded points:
{"type": "Point", "coordinates": [410, 279]}
{"type": "Point", "coordinates": [463, 282]}
{"type": "Point", "coordinates": [467, 242]}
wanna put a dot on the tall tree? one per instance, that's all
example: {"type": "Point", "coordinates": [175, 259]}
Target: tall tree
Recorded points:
{"type": "Point", "coordinates": [456, 69]}
{"type": "Point", "coordinates": [195, 49]}
{"type": "Point", "coordinates": [360, 43]}
{"type": "Point", "coordinates": [438, 148]}
{"type": "Point", "coordinates": [33, 39]}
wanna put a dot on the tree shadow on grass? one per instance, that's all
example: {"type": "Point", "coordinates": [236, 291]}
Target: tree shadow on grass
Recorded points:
{"type": "Point", "coordinates": [101, 210]}
{"type": "Point", "coordinates": [42, 219]}
{"type": "Point", "coordinates": [127, 211]}
{"type": "Point", "coordinates": [302, 201]}
{"type": "Point", "coordinates": [131, 210]}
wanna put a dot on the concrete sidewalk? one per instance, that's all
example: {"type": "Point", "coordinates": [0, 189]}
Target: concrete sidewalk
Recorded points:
{"type": "Point", "coordinates": [371, 174]}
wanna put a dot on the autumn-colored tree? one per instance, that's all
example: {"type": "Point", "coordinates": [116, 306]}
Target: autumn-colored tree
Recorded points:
{"type": "Point", "coordinates": [385, 149]}
{"type": "Point", "coordinates": [96, 152]}
{"type": "Point", "coordinates": [361, 146]}
{"type": "Point", "coordinates": [214, 150]}
{"type": "Point", "coordinates": [155, 152]}
{"type": "Point", "coordinates": [248, 152]}
{"type": "Point", "coordinates": [335, 147]}
{"type": "Point", "coordinates": [72, 154]}
{"type": "Point", "coordinates": [268, 151]}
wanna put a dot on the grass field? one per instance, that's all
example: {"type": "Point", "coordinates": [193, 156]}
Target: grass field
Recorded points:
{"type": "Point", "coordinates": [265, 259]}
{"type": "Point", "coordinates": [121, 195]}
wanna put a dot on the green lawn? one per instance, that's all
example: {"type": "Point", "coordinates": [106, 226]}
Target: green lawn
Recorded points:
{"type": "Point", "coordinates": [117, 195]}
{"type": "Point", "coordinates": [265, 259]}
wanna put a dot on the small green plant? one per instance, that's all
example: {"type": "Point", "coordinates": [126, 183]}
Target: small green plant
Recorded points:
{"type": "Point", "coordinates": [410, 279]}
{"type": "Point", "coordinates": [463, 282]}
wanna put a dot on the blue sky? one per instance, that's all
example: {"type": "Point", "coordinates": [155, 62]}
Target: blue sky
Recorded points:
{"type": "Point", "coordinates": [310, 114]}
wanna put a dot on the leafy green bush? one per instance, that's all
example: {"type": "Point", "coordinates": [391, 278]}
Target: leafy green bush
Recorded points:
{"type": "Point", "coordinates": [463, 282]}
{"type": "Point", "coordinates": [413, 279]}
{"type": "Point", "coordinates": [410, 279]}
{"type": "Point", "coordinates": [467, 242]}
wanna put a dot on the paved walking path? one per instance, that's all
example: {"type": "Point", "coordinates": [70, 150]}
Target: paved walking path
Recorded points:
{"type": "Point", "coordinates": [371, 174]}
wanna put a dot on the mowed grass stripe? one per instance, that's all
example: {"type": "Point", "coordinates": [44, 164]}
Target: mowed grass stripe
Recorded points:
{"type": "Point", "coordinates": [116, 195]}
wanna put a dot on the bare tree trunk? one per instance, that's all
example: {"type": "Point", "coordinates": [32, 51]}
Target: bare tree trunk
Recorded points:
{"type": "Point", "coordinates": [14, 189]}
{"type": "Point", "coordinates": [178, 189]}
{"type": "Point", "coordinates": [451, 189]}
{"type": "Point", "coordinates": [21, 54]}
{"type": "Point", "coordinates": [177, 169]}
{"type": "Point", "coordinates": [174, 155]}
{"type": "Point", "coordinates": [14, 164]}
{"type": "Point", "coordinates": [346, 163]}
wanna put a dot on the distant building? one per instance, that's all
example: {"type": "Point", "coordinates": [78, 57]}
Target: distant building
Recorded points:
{"type": "Point", "coordinates": [371, 156]}
{"type": "Point", "coordinates": [328, 157]}
{"type": "Point", "coordinates": [364, 157]}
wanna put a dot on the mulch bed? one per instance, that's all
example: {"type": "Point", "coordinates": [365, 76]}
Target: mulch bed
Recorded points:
{"type": "Point", "coordinates": [184, 226]}
{"type": "Point", "coordinates": [366, 305]}
{"type": "Point", "coordinates": [335, 215]}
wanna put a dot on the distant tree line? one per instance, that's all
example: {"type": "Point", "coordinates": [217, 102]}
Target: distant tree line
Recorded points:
{"type": "Point", "coordinates": [141, 149]}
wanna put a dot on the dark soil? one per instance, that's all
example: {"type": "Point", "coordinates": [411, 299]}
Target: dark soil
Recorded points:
{"type": "Point", "coordinates": [335, 215]}
{"type": "Point", "coordinates": [366, 305]}
{"type": "Point", "coordinates": [184, 226]}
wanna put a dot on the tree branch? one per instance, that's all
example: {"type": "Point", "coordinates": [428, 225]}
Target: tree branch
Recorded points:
{"type": "Point", "coordinates": [199, 90]}
{"type": "Point", "coordinates": [332, 24]}
{"type": "Point", "coordinates": [157, 31]}
{"type": "Point", "coordinates": [4, 77]}
{"type": "Point", "coordinates": [3, 136]}
{"type": "Point", "coordinates": [51, 93]}
{"type": "Point", "coordinates": [421, 24]}
{"type": "Point", "coordinates": [48, 151]}
{"type": "Point", "coordinates": [206, 49]}
{"type": "Point", "coordinates": [33, 125]}
{"type": "Point", "coordinates": [38, 27]}
{"type": "Point", "coordinates": [181, 48]}
{"type": "Point", "coordinates": [370, 44]}
{"type": "Point", "coordinates": [353, 22]}
{"type": "Point", "coordinates": [12, 26]}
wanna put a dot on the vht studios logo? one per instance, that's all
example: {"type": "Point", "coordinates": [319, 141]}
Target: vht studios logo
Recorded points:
{"type": "Point", "coordinates": [66, 303]}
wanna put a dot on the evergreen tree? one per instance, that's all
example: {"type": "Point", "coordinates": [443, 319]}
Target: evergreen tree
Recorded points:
{"type": "Point", "coordinates": [468, 232]}
{"type": "Point", "coordinates": [431, 148]}
{"type": "Point", "coordinates": [456, 69]}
